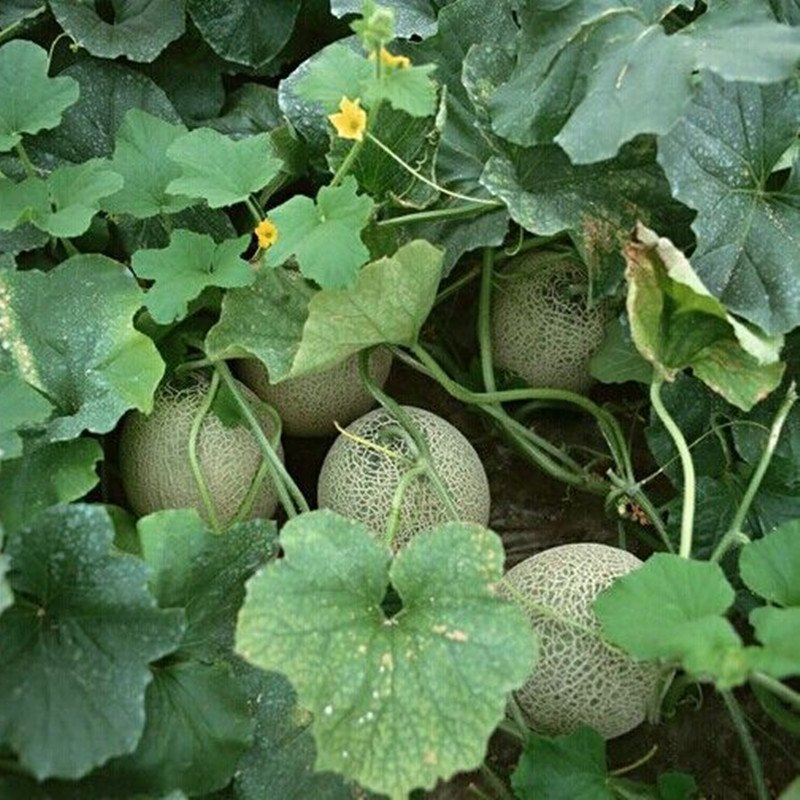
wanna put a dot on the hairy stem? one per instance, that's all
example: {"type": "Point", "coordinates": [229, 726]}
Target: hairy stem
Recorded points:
{"type": "Point", "coordinates": [454, 212]}
{"type": "Point", "coordinates": [485, 322]}
{"type": "Point", "coordinates": [689, 481]}
{"type": "Point", "coordinates": [194, 461]}
{"type": "Point", "coordinates": [780, 690]}
{"type": "Point", "coordinates": [746, 740]}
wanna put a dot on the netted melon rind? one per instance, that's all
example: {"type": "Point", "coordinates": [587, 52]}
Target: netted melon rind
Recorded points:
{"type": "Point", "coordinates": [311, 404]}
{"type": "Point", "coordinates": [578, 679]}
{"type": "Point", "coordinates": [541, 330]}
{"type": "Point", "coordinates": [154, 457]}
{"type": "Point", "coordinates": [359, 481]}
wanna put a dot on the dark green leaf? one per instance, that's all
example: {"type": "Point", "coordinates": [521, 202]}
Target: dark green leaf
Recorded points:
{"type": "Point", "coordinates": [140, 29]}
{"type": "Point", "coordinates": [324, 236]}
{"type": "Point", "coordinates": [75, 655]}
{"type": "Point", "coordinates": [671, 609]}
{"type": "Point", "coordinates": [204, 573]}
{"type": "Point", "coordinates": [676, 323]}
{"type": "Point", "coordinates": [14, 12]}
{"type": "Point", "coordinates": [22, 407]}
{"type": "Point", "coordinates": [719, 158]}
{"type": "Point", "coordinates": [771, 566]}
{"type": "Point", "coordinates": [411, 17]}
{"type": "Point", "coordinates": [424, 685]}
{"type": "Point", "coordinates": [617, 360]}
{"type": "Point", "coordinates": [93, 367]}
{"type": "Point", "coordinates": [245, 31]}
{"type": "Point", "coordinates": [222, 170]}
{"type": "Point", "coordinates": [190, 263]}
{"type": "Point", "coordinates": [44, 475]}
{"type": "Point", "coordinates": [31, 101]}
{"type": "Point", "coordinates": [140, 156]}
{"type": "Point", "coordinates": [250, 109]}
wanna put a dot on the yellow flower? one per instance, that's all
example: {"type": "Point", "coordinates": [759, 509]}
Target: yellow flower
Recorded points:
{"type": "Point", "coordinates": [403, 62]}
{"type": "Point", "coordinates": [267, 234]}
{"type": "Point", "coordinates": [351, 121]}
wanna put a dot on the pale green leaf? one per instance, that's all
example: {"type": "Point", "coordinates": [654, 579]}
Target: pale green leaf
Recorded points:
{"type": "Point", "coordinates": [337, 71]}
{"type": "Point", "coordinates": [190, 263]}
{"type": "Point", "coordinates": [140, 29]}
{"type": "Point", "coordinates": [429, 686]}
{"type": "Point", "coordinates": [324, 236]}
{"type": "Point", "coordinates": [93, 367]}
{"type": "Point", "coordinates": [408, 89]}
{"type": "Point", "coordinates": [76, 655]}
{"type": "Point", "coordinates": [140, 156]}
{"type": "Point", "coordinates": [778, 630]}
{"type": "Point", "coordinates": [411, 17]}
{"type": "Point", "coordinates": [22, 407]}
{"type": "Point", "coordinates": [771, 566]}
{"type": "Point", "coordinates": [221, 170]}
{"type": "Point", "coordinates": [30, 100]}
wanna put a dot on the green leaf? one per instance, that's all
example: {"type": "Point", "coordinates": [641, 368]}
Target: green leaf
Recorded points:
{"type": "Point", "coordinates": [140, 29]}
{"type": "Point", "coordinates": [190, 263]}
{"type": "Point", "coordinates": [411, 17]}
{"type": "Point", "coordinates": [44, 475]}
{"type": "Point", "coordinates": [15, 12]}
{"type": "Point", "coordinates": [770, 566]}
{"type": "Point", "coordinates": [222, 170]}
{"type": "Point", "coordinates": [204, 573]}
{"type": "Point", "coordinates": [324, 236]}
{"type": "Point", "coordinates": [719, 159]}
{"type": "Point", "coordinates": [676, 323]}
{"type": "Point", "coordinates": [583, 67]}
{"type": "Point", "coordinates": [31, 101]}
{"type": "Point", "coordinates": [430, 685]}
{"type": "Point", "coordinates": [791, 792]}
{"type": "Point", "coordinates": [617, 360]}
{"type": "Point", "coordinates": [335, 72]}
{"type": "Point", "coordinates": [197, 728]}
{"type": "Point", "coordinates": [778, 630]}
{"type": "Point", "coordinates": [245, 31]}
{"type": "Point", "coordinates": [671, 609]}
{"type": "Point", "coordinates": [89, 130]}
{"type": "Point", "coordinates": [62, 205]}
{"type": "Point", "coordinates": [75, 655]}
{"type": "Point", "coordinates": [140, 156]}
{"type": "Point", "coordinates": [281, 762]}
{"type": "Point", "coordinates": [408, 89]}
{"type": "Point", "coordinates": [93, 367]}
{"type": "Point", "coordinates": [22, 406]}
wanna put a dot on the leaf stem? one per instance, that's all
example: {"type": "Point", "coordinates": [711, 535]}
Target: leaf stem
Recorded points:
{"type": "Point", "coordinates": [253, 209]}
{"type": "Point", "coordinates": [780, 690]}
{"type": "Point", "coordinates": [452, 212]}
{"type": "Point", "coordinates": [393, 523]}
{"type": "Point", "coordinates": [734, 532]}
{"type": "Point", "coordinates": [457, 284]}
{"type": "Point", "coordinates": [746, 740]}
{"type": "Point", "coordinates": [689, 481]}
{"type": "Point", "coordinates": [70, 248]}
{"type": "Point", "coordinates": [497, 786]}
{"type": "Point", "coordinates": [194, 461]}
{"type": "Point", "coordinates": [484, 320]}
{"type": "Point", "coordinates": [22, 154]}
{"type": "Point", "coordinates": [420, 177]}
{"type": "Point", "coordinates": [636, 764]}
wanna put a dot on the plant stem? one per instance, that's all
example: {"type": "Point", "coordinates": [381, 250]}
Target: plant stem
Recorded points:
{"type": "Point", "coordinates": [453, 212]}
{"type": "Point", "coordinates": [457, 284]}
{"type": "Point", "coordinates": [393, 523]}
{"type": "Point", "coordinates": [636, 764]}
{"type": "Point", "coordinates": [22, 154]}
{"type": "Point", "coordinates": [484, 321]}
{"type": "Point", "coordinates": [70, 248]}
{"type": "Point", "coordinates": [194, 461]}
{"type": "Point", "coordinates": [735, 530]}
{"type": "Point", "coordinates": [253, 209]}
{"type": "Point", "coordinates": [740, 724]}
{"type": "Point", "coordinates": [287, 489]}
{"type": "Point", "coordinates": [529, 244]}
{"type": "Point", "coordinates": [420, 177]}
{"type": "Point", "coordinates": [780, 690]}
{"type": "Point", "coordinates": [689, 481]}
{"type": "Point", "coordinates": [497, 786]}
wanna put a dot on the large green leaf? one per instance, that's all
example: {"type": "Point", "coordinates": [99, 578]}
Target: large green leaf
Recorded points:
{"type": "Point", "coordinates": [44, 475]}
{"type": "Point", "coordinates": [30, 100]}
{"type": "Point", "coordinates": [64, 203]}
{"type": "Point", "coordinates": [294, 331]}
{"type": "Point", "coordinates": [203, 573]}
{"type": "Point", "coordinates": [140, 29]}
{"type": "Point", "coordinates": [16, 12]}
{"type": "Point", "coordinates": [89, 130]}
{"type": "Point", "coordinates": [92, 366]}
{"type": "Point", "coordinates": [616, 360]}
{"type": "Point", "coordinates": [771, 566]}
{"type": "Point", "coordinates": [671, 609]}
{"type": "Point", "coordinates": [222, 170]}
{"type": "Point", "coordinates": [191, 263]}
{"type": "Point", "coordinates": [587, 73]}
{"type": "Point", "coordinates": [677, 323]}
{"type": "Point", "coordinates": [140, 156]}
{"type": "Point", "coordinates": [778, 630]}
{"type": "Point", "coordinates": [324, 236]}
{"type": "Point", "coordinates": [245, 31]}
{"type": "Point", "coordinates": [719, 159]}
{"type": "Point", "coordinates": [280, 763]}
{"type": "Point", "coordinates": [22, 406]}
{"type": "Point", "coordinates": [398, 702]}
{"type": "Point", "coordinates": [75, 655]}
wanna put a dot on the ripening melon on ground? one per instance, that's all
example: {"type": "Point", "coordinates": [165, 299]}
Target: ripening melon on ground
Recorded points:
{"type": "Point", "coordinates": [360, 480]}
{"type": "Point", "coordinates": [579, 679]}
{"type": "Point", "coordinates": [542, 328]}
{"type": "Point", "coordinates": [311, 404]}
{"type": "Point", "coordinates": [154, 457]}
